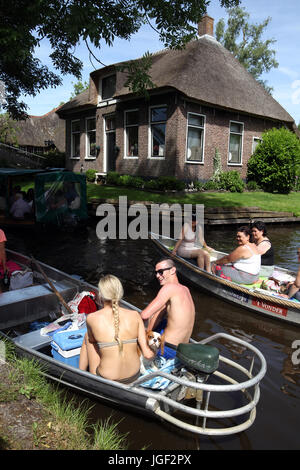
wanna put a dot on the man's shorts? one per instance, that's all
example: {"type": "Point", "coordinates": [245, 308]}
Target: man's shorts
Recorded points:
{"type": "Point", "coordinates": [169, 349]}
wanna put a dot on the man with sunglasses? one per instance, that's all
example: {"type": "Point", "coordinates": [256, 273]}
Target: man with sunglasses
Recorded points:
{"type": "Point", "coordinates": [172, 312]}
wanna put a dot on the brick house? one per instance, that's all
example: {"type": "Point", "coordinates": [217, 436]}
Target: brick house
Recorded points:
{"type": "Point", "coordinates": [203, 100]}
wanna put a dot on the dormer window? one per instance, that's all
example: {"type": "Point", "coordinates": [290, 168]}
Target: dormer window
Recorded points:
{"type": "Point", "coordinates": [107, 87]}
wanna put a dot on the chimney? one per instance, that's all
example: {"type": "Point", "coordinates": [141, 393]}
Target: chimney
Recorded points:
{"type": "Point", "coordinates": [206, 26]}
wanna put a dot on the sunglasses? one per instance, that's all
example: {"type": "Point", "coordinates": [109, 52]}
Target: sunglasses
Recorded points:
{"type": "Point", "coordinates": [298, 253]}
{"type": "Point", "coordinates": [160, 271]}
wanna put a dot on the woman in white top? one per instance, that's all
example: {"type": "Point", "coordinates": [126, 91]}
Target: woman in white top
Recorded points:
{"type": "Point", "coordinates": [242, 265]}
{"type": "Point", "coordinates": [186, 248]}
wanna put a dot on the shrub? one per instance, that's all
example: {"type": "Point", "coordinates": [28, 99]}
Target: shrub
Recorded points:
{"type": "Point", "coordinates": [90, 175]}
{"type": "Point", "coordinates": [170, 183]}
{"type": "Point", "coordinates": [211, 185]}
{"type": "Point", "coordinates": [231, 181]}
{"type": "Point", "coordinates": [137, 182]}
{"type": "Point", "coordinates": [113, 177]}
{"type": "Point", "coordinates": [275, 162]}
{"type": "Point", "coordinates": [125, 180]}
{"type": "Point", "coordinates": [252, 186]}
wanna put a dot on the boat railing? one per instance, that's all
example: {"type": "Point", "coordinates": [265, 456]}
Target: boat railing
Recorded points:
{"type": "Point", "coordinates": [164, 403]}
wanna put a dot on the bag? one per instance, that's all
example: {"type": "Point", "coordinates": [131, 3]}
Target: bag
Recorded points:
{"type": "Point", "coordinates": [20, 279]}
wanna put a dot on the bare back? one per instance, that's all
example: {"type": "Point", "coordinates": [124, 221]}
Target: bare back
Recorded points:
{"type": "Point", "coordinates": [116, 364]}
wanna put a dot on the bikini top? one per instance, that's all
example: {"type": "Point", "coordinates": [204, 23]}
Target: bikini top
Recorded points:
{"type": "Point", "coordinates": [115, 343]}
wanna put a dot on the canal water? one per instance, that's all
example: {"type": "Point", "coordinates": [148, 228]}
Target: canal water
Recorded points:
{"type": "Point", "coordinates": [278, 411]}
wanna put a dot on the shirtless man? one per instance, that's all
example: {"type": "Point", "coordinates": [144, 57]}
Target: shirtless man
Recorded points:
{"type": "Point", "coordinates": [175, 302]}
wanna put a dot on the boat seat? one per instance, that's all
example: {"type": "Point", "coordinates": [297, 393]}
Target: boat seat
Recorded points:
{"type": "Point", "coordinates": [32, 303]}
{"type": "Point", "coordinates": [199, 357]}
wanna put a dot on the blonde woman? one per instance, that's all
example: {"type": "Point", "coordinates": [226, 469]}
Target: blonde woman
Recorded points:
{"type": "Point", "coordinates": [113, 332]}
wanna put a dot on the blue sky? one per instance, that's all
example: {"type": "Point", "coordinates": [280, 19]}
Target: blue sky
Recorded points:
{"type": "Point", "coordinates": [284, 28]}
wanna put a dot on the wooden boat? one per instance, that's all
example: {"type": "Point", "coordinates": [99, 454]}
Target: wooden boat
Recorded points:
{"type": "Point", "coordinates": [251, 297]}
{"type": "Point", "coordinates": [199, 396]}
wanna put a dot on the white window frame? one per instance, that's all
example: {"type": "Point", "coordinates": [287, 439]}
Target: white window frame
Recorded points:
{"type": "Point", "coordinates": [105, 117]}
{"type": "Point", "coordinates": [106, 101]}
{"type": "Point", "coordinates": [87, 145]}
{"type": "Point", "coordinates": [72, 144]}
{"type": "Point", "coordinates": [242, 143]}
{"type": "Point", "coordinates": [253, 140]}
{"type": "Point", "coordinates": [150, 156]}
{"type": "Point", "coordinates": [195, 162]}
{"type": "Point", "coordinates": [129, 157]}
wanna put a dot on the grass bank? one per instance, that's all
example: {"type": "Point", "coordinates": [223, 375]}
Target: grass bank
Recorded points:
{"type": "Point", "coordinates": [266, 201]}
{"type": "Point", "coordinates": [34, 414]}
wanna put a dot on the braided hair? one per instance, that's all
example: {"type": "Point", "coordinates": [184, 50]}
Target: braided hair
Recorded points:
{"type": "Point", "coordinates": [111, 289]}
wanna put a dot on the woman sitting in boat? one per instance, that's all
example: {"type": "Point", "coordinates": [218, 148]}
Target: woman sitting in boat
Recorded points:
{"type": "Point", "coordinates": [242, 265]}
{"type": "Point", "coordinates": [264, 246]}
{"type": "Point", "coordinates": [293, 288]}
{"type": "Point", "coordinates": [113, 332]}
{"type": "Point", "coordinates": [186, 248]}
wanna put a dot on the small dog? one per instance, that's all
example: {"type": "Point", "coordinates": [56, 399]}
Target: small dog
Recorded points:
{"type": "Point", "coordinates": [155, 341]}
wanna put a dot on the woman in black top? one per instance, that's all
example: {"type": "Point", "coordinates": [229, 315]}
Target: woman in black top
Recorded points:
{"type": "Point", "coordinates": [264, 246]}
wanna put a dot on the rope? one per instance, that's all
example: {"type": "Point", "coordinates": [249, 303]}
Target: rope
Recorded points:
{"type": "Point", "coordinates": [233, 285]}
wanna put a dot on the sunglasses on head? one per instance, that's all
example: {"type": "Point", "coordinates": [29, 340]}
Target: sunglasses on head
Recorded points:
{"type": "Point", "coordinates": [160, 271]}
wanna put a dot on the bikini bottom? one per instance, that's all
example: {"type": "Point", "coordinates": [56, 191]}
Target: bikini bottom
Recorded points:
{"type": "Point", "coordinates": [127, 380]}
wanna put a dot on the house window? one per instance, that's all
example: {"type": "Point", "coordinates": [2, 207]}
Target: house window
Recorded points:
{"type": "Point", "coordinates": [75, 139]}
{"type": "Point", "coordinates": [195, 138]}
{"type": "Point", "coordinates": [235, 142]}
{"type": "Point", "coordinates": [132, 133]}
{"type": "Point", "coordinates": [158, 119]}
{"type": "Point", "coordinates": [108, 87]}
{"type": "Point", "coordinates": [91, 138]}
{"type": "Point", "coordinates": [255, 143]}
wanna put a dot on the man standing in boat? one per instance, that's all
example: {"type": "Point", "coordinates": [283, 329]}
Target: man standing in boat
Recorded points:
{"type": "Point", "coordinates": [172, 311]}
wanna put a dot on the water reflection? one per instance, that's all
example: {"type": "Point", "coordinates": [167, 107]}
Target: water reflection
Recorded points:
{"type": "Point", "coordinates": [278, 413]}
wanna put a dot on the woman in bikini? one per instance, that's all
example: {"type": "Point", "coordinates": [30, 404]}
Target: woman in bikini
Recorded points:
{"type": "Point", "coordinates": [242, 265]}
{"type": "Point", "coordinates": [186, 246]}
{"type": "Point", "coordinates": [113, 332]}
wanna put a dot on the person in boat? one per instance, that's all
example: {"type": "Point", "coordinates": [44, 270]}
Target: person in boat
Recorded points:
{"type": "Point", "coordinates": [186, 248]}
{"type": "Point", "coordinates": [172, 312]}
{"type": "Point", "coordinates": [20, 207]}
{"type": "Point", "coordinates": [3, 239]}
{"type": "Point", "coordinates": [242, 265]}
{"type": "Point", "coordinates": [265, 248]}
{"type": "Point", "coordinates": [110, 348]}
{"type": "Point", "coordinates": [293, 288]}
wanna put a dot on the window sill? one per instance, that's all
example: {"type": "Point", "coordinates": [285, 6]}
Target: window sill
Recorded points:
{"type": "Point", "coordinates": [156, 158]}
{"type": "Point", "coordinates": [194, 162]}
{"type": "Point", "coordinates": [128, 157]}
{"type": "Point", "coordinates": [74, 158]}
{"type": "Point", "coordinates": [90, 158]}
{"type": "Point", "coordinates": [234, 164]}
{"type": "Point", "coordinates": [108, 102]}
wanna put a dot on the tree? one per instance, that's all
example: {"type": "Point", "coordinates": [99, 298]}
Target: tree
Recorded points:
{"type": "Point", "coordinates": [66, 23]}
{"type": "Point", "coordinates": [275, 163]}
{"type": "Point", "coordinates": [8, 130]}
{"type": "Point", "coordinates": [245, 42]}
{"type": "Point", "coordinates": [79, 87]}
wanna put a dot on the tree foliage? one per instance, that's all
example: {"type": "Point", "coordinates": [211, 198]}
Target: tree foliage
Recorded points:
{"type": "Point", "coordinates": [276, 161]}
{"type": "Point", "coordinates": [78, 88]}
{"type": "Point", "coordinates": [245, 42]}
{"type": "Point", "coordinates": [66, 23]}
{"type": "Point", "coordinates": [8, 130]}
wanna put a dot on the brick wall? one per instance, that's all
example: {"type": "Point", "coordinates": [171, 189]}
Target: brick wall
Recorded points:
{"type": "Point", "coordinates": [217, 122]}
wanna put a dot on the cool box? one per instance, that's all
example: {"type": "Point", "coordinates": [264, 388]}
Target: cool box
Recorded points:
{"type": "Point", "coordinates": [66, 346]}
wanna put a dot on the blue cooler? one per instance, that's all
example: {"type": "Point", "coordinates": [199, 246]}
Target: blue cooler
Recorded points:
{"type": "Point", "coordinates": [66, 346]}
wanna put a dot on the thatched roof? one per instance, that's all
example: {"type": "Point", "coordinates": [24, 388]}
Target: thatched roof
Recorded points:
{"type": "Point", "coordinates": [78, 103]}
{"type": "Point", "coordinates": [35, 130]}
{"type": "Point", "coordinates": [204, 71]}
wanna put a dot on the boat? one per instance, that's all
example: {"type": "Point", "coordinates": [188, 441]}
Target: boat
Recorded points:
{"type": "Point", "coordinates": [204, 391]}
{"type": "Point", "coordinates": [47, 186]}
{"type": "Point", "coordinates": [251, 297]}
